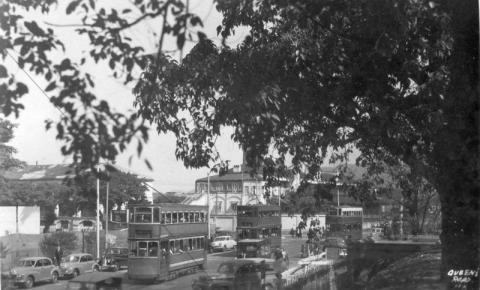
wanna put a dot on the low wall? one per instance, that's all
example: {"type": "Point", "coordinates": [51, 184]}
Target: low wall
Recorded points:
{"type": "Point", "coordinates": [366, 259]}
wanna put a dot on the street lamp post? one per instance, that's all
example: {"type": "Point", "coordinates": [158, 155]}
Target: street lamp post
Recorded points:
{"type": "Point", "coordinates": [98, 216]}
{"type": "Point", "coordinates": [208, 204]}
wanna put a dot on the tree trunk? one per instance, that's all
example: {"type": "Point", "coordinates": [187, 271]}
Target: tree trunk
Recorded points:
{"type": "Point", "coordinates": [460, 227]}
{"type": "Point", "coordinates": [456, 153]}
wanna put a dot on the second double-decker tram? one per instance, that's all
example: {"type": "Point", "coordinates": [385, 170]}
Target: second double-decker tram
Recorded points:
{"type": "Point", "coordinates": [258, 230]}
{"type": "Point", "coordinates": [344, 222]}
{"type": "Point", "coordinates": [165, 240]}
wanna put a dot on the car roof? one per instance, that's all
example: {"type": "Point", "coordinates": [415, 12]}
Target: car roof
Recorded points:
{"type": "Point", "coordinates": [80, 254]}
{"type": "Point", "coordinates": [250, 241]}
{"type": "Point", "coordinates": [95, 277]}
{"type": "Point", "coordinates": [224, 236]}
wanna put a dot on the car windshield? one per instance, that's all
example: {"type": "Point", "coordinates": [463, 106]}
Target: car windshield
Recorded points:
{"type": "Point", "coordinates": [25, 263]}
{"type": "Point", "coordinates": [71, 258]}
{"type": "Point", "coordinates": [225, 269]}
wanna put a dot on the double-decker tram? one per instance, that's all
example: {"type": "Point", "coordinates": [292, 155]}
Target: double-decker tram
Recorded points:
{"type": "Point", "coordinates": [258, 230]}
{"type": "Point", "coordinates": [344, 222]}
{"type": "Point", "coordinates": [166, 240]}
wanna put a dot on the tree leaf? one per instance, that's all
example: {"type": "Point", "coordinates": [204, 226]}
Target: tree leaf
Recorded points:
{"type": "Point", "coordinates": [51, 86]}
{"type": "Point", "coordinates": [72, 6]}
{"type": "Point", "coordinates": [34, 28]}
{"type": "Point", "coordinates": [181, 40]}
{"type": "Point", "coordinates": [3, 72]}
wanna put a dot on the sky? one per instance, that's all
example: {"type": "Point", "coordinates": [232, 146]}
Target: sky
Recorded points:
{"type": "Point", "coordinates": [35, 145]}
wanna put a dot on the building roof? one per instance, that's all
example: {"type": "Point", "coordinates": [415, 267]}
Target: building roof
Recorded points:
{"type": "Point", "coordinates": [54, 172]}
{"type": "Point", "coordinates": [40, 172]}
{"type": "Point", "coordinates": [232, 176]}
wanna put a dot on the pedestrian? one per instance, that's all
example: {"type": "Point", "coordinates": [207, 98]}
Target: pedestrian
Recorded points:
{"type": "Point", "coordinates": [292, 232]}
{"type": "Point", "coordinates": [58, 254]}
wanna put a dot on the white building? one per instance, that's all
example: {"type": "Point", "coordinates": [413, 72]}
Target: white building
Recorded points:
{"type": "Point", "coordinates": [21, 219]}
{"type": "Point", "coordinates": [237, 187]}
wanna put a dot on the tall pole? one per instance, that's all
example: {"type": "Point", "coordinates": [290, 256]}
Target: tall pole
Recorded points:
{"type": "Point", "coordinates": [98, 215]}
{"type": "Point", "coordinates": [107, 219]}
{"type": "Point", "coordinates": [208, 205]}
{"type": "Point", "coordinates": [16, 218]}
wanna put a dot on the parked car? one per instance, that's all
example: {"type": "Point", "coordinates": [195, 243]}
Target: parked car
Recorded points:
{"type": "Point", "coordinates": [28, 271]}
{"type": "Point", "coordinates": [223, 243]}
{"type": "Point", "coordinates": [117, 256]}
{"type": "Point", "coordinates": [77, 264]}
{"type": "Point", "coordinates": [96, 281]}
{"type": "Point", "coordinates": [250, 273]}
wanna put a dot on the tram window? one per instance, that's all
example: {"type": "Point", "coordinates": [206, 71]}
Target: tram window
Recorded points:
{"type": "Point", "coordinates": [142, 249]}
{"type": "Point", "coordinates": [186, 217]}
{"type": "Point", "coordinates": [190, 217]}
{"type": "Point", "coordinates": [202, 243]}
{"type": "Point", "coordinates": [152, 249]}
{"type": "Point", "coordinates": [196, 217]}
{"type": "Point", "coordinates": [168, 218]}
{"type": "Point", "coordinates": [178, 248]}
{"type": "Point", "coordinates": [202, 217]}
{"type": "Point", "coordinates": [156, 215]}
{"type": "Point", "coordinates": [171, 247]}
{"type": "Point", "coordinates": [181, 218]}
{"type": "Point", "coordinates": [162, 221]}
{"type": "Point", "coordinates": [133, 248]}
{"type": "Point", "coordinates": [164, 247]}
{"type": "Point", "coordinates": [174, 218]}
{"type": "Point", "coordinates": [143, 218]}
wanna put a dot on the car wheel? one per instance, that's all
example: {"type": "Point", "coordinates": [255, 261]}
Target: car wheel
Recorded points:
{"type": "Point", "coordinates": [75, 273]}
{"type": "Point", "coordinates": [54, 277]}
{"type": "Point", "coordinates": [29, 282]}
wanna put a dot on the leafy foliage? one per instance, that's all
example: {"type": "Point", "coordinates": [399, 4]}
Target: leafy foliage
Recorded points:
{"type": "Point", "coordinates": [66, 240]}
{"type": "Point", "coordinates": [7, 160]}
{"type": "Point", "coordinates": [396, 79]}
{"type": "Point", "coordinates": [89, 128]}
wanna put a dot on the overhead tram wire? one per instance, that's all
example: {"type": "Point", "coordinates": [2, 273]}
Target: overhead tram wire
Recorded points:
{"type": "Point", "coordinates": [35, 83]}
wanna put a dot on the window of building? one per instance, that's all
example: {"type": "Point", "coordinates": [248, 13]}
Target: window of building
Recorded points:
{"type": "Point", "coordinates": [233, 205]}
{"type": "Point", "coordinates": [218, 207]}
{"type": "Point", "coordinates": [156, 215]}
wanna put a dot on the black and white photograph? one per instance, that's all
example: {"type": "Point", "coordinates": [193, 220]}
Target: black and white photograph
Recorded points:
{"type": "Point", "coordinates": [239, 144]}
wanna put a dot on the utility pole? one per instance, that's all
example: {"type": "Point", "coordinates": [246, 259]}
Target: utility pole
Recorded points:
{"type": "Point", "coordinates": [98, 212]}
{"type": "Point", "coordinates": [208, 205]}
{"type": "Point", "coordinates": [107, 214]}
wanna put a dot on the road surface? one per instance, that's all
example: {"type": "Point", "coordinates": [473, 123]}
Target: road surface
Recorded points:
{"type": "Point", "coordinates": [291, 245]}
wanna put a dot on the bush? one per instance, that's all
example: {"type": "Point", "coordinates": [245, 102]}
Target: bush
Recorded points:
{"type": "Point", "coordinates": [66, 240]}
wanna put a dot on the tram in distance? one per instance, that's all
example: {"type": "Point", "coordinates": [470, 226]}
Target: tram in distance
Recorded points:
{"type": "Point", "coordinates": [344, 222]}
{"type": "Point", "coordinates": [166, 240]}
{"type": "Point", "coordinates": [258, 230]}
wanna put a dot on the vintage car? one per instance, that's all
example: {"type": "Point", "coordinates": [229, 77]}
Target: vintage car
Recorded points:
{"type": "Point", "coordinates": [117, 257]}
{"type": "Point", "coordinates": [95, 281]}
{"type": "Point", "coordinates": [223, 243]}
{"type": "Point", "coordinates": [76, 264]}
{"type": "Point", "coordinates": [28, 271]}
{"type": "Point", "coordinates": [253, 248]}
{"type": "Point", "coordinates": [239, 274]}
